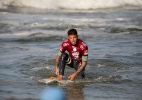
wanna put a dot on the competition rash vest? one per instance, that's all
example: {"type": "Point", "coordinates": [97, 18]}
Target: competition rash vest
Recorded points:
{"type": "Point", "coordinates": [78, 52]}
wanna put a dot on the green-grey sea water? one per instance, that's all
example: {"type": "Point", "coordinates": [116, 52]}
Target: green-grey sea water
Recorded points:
{"type": "Point", "coordinates": [29, 43]}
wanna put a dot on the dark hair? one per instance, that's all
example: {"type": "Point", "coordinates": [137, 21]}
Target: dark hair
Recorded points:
{"type": "Point", "coordinates": [72, 32]}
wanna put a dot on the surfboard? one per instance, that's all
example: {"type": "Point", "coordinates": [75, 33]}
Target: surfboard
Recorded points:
{"type": "Point", "coordinates": [54, 80]}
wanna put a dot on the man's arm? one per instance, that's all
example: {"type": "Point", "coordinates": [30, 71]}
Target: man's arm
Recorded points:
{"type": "Point", "coordinates": [73, 76]}
{"type": "Point", "coordinates": [59, 77]}
{"type": "Point", "coordinates": [83, 65]}
{"type": "Point", "coordinates": [57, 65]}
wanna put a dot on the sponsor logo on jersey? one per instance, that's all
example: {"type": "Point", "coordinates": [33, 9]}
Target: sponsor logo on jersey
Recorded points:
{"type": "Point", "coordinates": [74, 48]}
{"type": "Point", "coordinates": [75, 55]}
{"type": "Point", "coordinates": [81, 47]}
{"type": "Point", "coordinates": [65, 44]}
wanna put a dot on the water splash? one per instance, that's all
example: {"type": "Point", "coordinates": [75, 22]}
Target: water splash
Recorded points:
{"type": "Point", "coordinates": [68, 4]}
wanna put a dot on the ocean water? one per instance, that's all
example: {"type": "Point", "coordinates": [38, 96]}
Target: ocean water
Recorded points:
{"type": "Point", "coordinates": [30, 37]}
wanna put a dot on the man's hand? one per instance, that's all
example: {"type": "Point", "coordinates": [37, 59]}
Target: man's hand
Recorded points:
{"type": "Point", "coordinates": [72, 77]}
{"type": "Point", "coordinates": [60, 77]}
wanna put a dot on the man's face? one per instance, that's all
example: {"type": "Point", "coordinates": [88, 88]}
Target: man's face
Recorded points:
{"type": "Point", "coordinates": [73, 39]}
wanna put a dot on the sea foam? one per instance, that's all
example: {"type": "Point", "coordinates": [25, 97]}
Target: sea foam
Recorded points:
{"type": "Point", "coordinates": [69, 4]}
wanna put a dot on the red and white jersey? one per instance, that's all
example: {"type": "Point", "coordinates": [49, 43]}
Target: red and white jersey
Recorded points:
{"type": "Point", "coordinates": [76, 52]}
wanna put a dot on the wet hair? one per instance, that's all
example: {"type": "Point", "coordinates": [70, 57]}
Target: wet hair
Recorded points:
{"type": "Point", "coordinates": [72, 32]}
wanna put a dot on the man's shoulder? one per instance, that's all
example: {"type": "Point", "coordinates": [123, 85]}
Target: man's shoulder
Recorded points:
{"type": "Point", "coordinates": [65, 43]}
{"type": "Point", "coordinates": [82, 43]}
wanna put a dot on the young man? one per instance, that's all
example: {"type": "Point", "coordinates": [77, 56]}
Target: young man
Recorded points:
{"type": "Point", "coordinates": [76, 57]}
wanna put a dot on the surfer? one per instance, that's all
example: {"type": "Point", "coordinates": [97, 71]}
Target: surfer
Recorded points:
{"type": "Point", "coordinates": [76, 56]}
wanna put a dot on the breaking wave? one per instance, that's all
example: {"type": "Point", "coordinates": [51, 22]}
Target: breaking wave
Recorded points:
{"type": "Point", "coordinates": [69, 4]}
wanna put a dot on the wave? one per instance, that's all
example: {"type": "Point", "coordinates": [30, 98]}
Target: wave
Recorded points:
{"type": "Point", "coordinates": [69, 4]}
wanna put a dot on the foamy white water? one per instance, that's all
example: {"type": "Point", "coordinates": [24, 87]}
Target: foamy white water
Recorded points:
{"type": "Point", "coordinates": [69, 4]}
